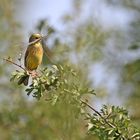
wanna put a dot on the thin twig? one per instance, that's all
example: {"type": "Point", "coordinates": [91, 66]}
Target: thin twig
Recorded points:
{"type": "Point", "coordinates": [8, 60]}
{"type": "Point", "coordinates": [99, 114]}
{"type": "Point", "coordinates": [31, 43]}
{"type": "Point", "coordinates": [46, 50]}
{"type": "Point", "coordinates": [108, 123]}
{"type": "Point", "coordinates": [37, 40]}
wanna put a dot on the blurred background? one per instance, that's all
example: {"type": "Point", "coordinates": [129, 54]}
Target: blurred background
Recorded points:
{"type": "Point", "coordinates": [101, 38]}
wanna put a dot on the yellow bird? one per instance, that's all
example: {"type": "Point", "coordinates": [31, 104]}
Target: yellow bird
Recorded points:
{"type": "Point", "coordinates": [33, 56]}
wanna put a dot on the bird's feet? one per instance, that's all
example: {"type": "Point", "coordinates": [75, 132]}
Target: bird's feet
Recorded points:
{"type": "Point", "coordinates": [33, 74]}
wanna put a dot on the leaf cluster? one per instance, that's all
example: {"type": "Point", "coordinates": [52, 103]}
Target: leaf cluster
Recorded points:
{"type": "Point", "coordinates": [113, 124]}
{"type": "Point", "coordinates": [61, 83]}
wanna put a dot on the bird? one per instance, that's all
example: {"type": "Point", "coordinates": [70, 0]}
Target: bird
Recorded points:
{"type": "Point", "coordinates": [33, 56]}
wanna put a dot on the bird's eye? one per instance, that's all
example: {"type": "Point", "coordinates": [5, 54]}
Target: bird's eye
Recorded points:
{"type": "Point", "coordinates": [36, 37]}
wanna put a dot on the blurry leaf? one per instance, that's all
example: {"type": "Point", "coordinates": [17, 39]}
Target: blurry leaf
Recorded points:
{"type": "Point", "coordinates": [134, 47]}
{"type": "Point", "coordinates": [54, 100]}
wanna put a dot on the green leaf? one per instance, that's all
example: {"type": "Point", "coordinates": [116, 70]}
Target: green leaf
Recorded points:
{"type": "Point", "coordinates": [136, 135]}
{"type": "Point", "coordinates": [54, 100]}
{"type": "Point", "coordinates": [29, 91]}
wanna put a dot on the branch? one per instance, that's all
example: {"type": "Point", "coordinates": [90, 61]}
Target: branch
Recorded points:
{"type": "Point", "coordinates": [8, 60]}
{"type": "Point", "coordinates": [33, 42]}
{"type": "Point", "coordinates": [37, 40]}
{"type": "Point", "coordinates": [99, 114]}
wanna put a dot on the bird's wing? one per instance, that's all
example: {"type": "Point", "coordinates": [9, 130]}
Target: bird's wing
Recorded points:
{"type": "Point", "coordinates": [26, 54]}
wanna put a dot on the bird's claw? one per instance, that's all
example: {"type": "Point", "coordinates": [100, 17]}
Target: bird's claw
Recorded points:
{"type": "Point", "coordinates": [33, 74]}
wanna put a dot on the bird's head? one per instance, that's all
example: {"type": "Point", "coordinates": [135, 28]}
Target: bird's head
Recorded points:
{"type": "Point", "coordinates": [34, 37]}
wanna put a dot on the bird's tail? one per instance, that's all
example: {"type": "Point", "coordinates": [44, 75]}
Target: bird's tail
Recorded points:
{"type": "Point", "coordinates": [24, 80]}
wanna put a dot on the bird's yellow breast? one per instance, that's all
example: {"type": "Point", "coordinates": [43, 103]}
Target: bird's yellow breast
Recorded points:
{"type": "Point", "coordinates": [34, 57]}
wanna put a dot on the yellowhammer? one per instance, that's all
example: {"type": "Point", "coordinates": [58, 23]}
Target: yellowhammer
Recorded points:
{"type": "Point", "coordinates": [33, 56]}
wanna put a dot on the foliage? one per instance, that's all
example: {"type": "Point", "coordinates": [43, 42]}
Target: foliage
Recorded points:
{"type": "Point", "coordinates": [59, 83]}
{"type": "Point", "coordinates": [114, 124]}
{"type": "Point", "coordinates": [62, 91]}
{"type": "Point", "coordinates": [130, 85]}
